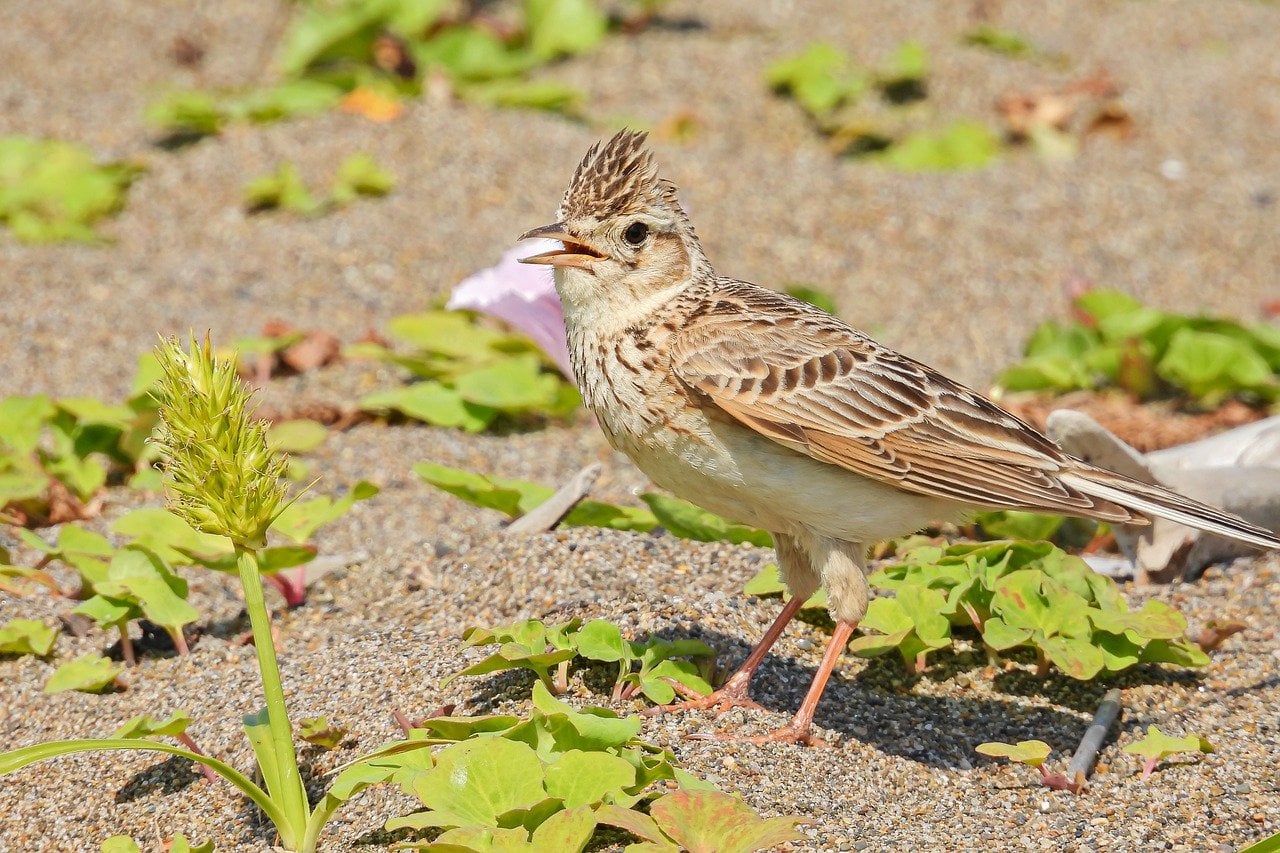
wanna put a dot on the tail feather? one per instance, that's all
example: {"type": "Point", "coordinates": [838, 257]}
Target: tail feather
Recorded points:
{"type": "Point", "coordinates": [1155, 500]}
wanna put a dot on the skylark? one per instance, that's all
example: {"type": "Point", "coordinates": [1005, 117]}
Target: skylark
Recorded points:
{"type": "Point", "coordinates": [771, 412]}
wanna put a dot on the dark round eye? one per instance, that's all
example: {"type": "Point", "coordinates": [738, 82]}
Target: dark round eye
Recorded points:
{"type": "Point", "coordinates": [636, 233]}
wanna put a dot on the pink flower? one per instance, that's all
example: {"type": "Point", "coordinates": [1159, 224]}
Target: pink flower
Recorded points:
{"type": "Point", "coordinates": [521, 295]}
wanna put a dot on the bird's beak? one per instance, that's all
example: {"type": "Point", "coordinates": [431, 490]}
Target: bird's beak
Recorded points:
{"type": "Point", "coordinates": [574, 254]}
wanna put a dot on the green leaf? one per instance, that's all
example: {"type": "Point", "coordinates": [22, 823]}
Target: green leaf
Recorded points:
{"type": "Point", "coordinates": [688, 521]}
{"type": "Point", "coordinates": [1118, 651]}
{"type": "Point", "coordinates": [821, 78]}
{"type": "Point", "coordinates": [601, 640]}
{"type": "Point", "coordinates": [300, 520]}
{"type": "Point", "coordinates": [27, 637]}
{"type": "Point", "coordinates": [297, 436]}
{"type": "Point", "coordinates": [432, 403]}
{"type": "Point", "coordinates": [513, 656]}
{"type": "Point", "coordinates": [360, 175]}
{"type": "Point", "coordinates": [514, 497]}
{"type": "Point", "coordinates": [144, 726]}
{"type": "Point", "coordinates": [569, 831]}
{"type": "Point", "coordinates": [329, 32]}
{"type": "Point", "coordinates": [765, 583]}
{"type": "Point", "coordinates": [1160, 746]}
{"type": "Point", "coordinates": [180, 844]}
{"type": "Point", "coordinates": [596, 514]}
{"type": "Point", "coordinates": [997, 634]}
{"type": "Point", "coordinates": [1212, 366]}
{"type": "Point", "coordinates": [655, 681]}
{"type": "Point", "coordinates": [322, 733]}
{"type": "Point", "coordinates": [591, 730]}
{"type": "Point", "coordinates": [1104, 305]}
{"type": "Point", "coordinates": [17, 759]}
{"type": "Point", "coordinates": [474, 782]}
{"type": "Point", "coordinates": [1029, 599]}
{"type": "Point", "coordinates": [813, 296]}
{"type": "Point", "coordinates": [998, 40]}
{"type": "Point", "coordinates": [448, 333]}
{"type": "Point", "coordinates": [1179, 652]}
{"type": "Point", "coordinates": [120, 844]}
{"type": "Point", "coordinates": [547, 95]}
{"type": "Point", "coordinates": [586, 778]}
{"type": "Point", "coordinates": [514, 384]}
{"type": "Point", "coordinates": [963, 145]}
{"type": "Point", "coordinates": [1077, 658]}
{"type": "Point", "coordinates": [172, 539]}
{"type": "Point", "coordinates": [283, 557]}
{"type": "Point", "coordinates": [1155, 621]}
{"type": "Point", "coordinates": [715, 822]}
{"type": "Point", "coordinates": [1016, 524]}
{"type": "Point", "coordinates": [923, 607]}
{"type": "Point", "coordinates": [564, 27]}
{"type": "Point", "coordinates": [1029, 752]}
{"type": "Point", "coordinates": [106, 612]}
{"type": "Point", "coordinates": [282, 189]}
{"type": "Point", "coordinates": [88, 673]}
{"type": "Point", "coordinates": [52, 190]}
{"type": "Point", "coordinates": [639, 824]}
{"type": "Point", "coordinates": [140, 577]}
{"type": "Point", "coordinates": [187, 112]}
{"type": "Point", "coordinates": [887, 616]}
{"type": "Point", "coordinates": [470, 54]}
{"type": "Point", "coordinates": [21, 420]}
{"type": "Point", "coordinates": [910, 63]}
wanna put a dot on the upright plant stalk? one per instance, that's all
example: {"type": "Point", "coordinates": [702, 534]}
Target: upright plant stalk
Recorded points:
{"type": "Point", "coordinates": [293, 796]}
{"type": "Point", "coordinates": [224, 478]}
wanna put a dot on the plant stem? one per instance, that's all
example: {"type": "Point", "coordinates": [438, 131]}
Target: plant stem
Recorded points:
{"type": "Point", "coordinates": [562, 677]}
{"type": "Point", "coordinates": [180, 641]}
{"type": "Point", "coordinates": [292, 793]}
{"type": "Point", "coordinates": [189, 742]}
{"type": "Point", "coordinates": [126, 645]}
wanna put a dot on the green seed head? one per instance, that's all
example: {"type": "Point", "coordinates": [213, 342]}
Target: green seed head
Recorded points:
{"type": "Point", "coordinates": [222, 476]}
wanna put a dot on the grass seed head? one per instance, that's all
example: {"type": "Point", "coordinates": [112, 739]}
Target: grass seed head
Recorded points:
{"type": "Point", "coordinates": [222, 476]}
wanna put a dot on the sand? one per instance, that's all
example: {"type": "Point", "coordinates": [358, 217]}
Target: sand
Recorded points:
{"type": "Point", "coordinates": [951, 268]}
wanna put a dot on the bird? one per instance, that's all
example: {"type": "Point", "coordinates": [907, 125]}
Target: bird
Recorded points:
{"type": "Point", "coordinates": [772, 412]}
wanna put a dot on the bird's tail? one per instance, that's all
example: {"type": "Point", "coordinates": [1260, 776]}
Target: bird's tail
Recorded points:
{"type": "Point", "coordinates": [1156, 500]}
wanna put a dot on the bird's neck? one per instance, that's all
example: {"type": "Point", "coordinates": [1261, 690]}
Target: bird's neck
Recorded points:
{"type": "Point", "coordinates": [603, 311]}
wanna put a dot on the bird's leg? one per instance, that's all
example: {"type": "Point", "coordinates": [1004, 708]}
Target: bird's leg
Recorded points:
{"type": "Point", "coordinates": [734, 692]}
{"type": "Point", "coordinates": [798, 730]}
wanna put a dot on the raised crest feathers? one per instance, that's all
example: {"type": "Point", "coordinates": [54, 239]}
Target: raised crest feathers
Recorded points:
{"type": "Point", "coordinates": [615, 177]}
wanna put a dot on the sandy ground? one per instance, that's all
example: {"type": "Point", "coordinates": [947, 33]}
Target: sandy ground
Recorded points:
{"type": "Point", "coordinates": [951, 268]}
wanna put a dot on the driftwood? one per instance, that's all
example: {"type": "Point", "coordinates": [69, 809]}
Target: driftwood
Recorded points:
{"type": "Point", "coordinates": [1086, 753]}
{"type": "Point", "coordinates": [548, 514]}
{"type": "Point", "coordinates": [1238, 470]}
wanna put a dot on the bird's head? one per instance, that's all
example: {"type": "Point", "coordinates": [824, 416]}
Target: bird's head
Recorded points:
{"type": "Point", "coordinates": [625, 235]}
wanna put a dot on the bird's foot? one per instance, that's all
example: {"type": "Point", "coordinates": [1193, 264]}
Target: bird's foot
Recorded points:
{"type": "Point", "coordinates": [801, 735]}
{"type": "Point", "coordinates": [732, 695]}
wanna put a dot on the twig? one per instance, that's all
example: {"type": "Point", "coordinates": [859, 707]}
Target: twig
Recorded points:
{"type": "Point", "coordinates": [548, 514]}
{"type": "Point", "coordinates": [1087, 752]}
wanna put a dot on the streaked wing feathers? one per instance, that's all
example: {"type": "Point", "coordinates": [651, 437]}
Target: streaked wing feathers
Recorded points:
{"type": "Point", "coordinates": [811, 383]}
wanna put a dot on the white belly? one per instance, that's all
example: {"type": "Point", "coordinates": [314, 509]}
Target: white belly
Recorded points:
{"type": "Point", "coordinates": [743, 476]}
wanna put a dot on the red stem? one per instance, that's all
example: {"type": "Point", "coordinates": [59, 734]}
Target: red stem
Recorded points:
{"type": "Point", "coordinates": [186, 740]}
{"type": "Point", "coordinates": [126, 645]}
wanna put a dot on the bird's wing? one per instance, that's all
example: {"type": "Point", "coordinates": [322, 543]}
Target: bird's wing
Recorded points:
{"type": "Point", "coordinates": [808, 381]}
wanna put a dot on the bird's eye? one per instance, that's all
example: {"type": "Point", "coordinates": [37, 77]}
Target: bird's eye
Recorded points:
{"type": "Point", "coordinates": [636, 233]}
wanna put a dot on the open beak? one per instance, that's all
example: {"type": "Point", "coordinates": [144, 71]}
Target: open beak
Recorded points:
{"type": "Point", "coordinates": [574, 253]}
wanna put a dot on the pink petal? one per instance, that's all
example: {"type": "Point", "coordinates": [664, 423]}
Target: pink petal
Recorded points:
{"type": "Point", "coordinates": [522, 295]}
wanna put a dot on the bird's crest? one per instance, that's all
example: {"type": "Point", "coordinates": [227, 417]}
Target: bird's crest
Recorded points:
{"type": "Point", "coordinates": [616, 177]}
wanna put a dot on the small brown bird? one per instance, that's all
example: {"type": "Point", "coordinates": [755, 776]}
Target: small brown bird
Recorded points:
{"type": "Point", "coordinates": [769, 411]}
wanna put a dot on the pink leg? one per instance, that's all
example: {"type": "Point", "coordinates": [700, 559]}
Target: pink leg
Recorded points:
{"type": "Point", "coordinates": [734, 692]}
{"type": "Point", "coordinates": [798, 730]}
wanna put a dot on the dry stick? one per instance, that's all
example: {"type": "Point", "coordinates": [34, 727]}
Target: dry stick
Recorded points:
{"type": "Point", "coordinates": [1087, 752]}
{"type": "Point", "coordinates": [549, 513]}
